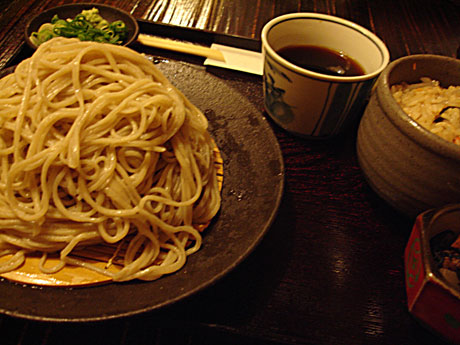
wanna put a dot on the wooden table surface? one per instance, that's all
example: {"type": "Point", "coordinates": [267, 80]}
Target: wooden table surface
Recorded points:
{"type": "Point", "coordinates": [330, 269]}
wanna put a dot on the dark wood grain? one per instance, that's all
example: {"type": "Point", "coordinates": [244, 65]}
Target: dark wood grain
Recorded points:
{"type": "Point", "coordinates": [330, 270]}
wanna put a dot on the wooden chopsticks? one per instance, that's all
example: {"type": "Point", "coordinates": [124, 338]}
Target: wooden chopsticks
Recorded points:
{"type": "Point", "coordinates": [182, 47]}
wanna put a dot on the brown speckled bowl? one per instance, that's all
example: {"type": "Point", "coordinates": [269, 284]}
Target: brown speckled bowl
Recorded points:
{"type": "Point", "coordinates": [408, 166]}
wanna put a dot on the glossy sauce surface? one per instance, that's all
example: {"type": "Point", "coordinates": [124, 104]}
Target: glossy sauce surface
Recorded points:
{"type": "Point", "coordinates": [321, 60]}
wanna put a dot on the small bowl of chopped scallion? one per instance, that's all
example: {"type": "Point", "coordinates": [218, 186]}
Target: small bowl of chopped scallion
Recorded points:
{"type": "Point", "coordinates": [85, 21]}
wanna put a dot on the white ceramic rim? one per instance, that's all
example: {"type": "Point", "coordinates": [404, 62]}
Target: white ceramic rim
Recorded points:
{"type": "Point", "coordinates": [371, 36]}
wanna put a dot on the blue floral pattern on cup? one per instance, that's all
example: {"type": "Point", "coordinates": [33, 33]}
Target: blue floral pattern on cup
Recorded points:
{"type": "Point", "coordinates": [274, 101]}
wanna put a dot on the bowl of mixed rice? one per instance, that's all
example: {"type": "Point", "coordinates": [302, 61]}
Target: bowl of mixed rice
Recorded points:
{"type": "Point", "coordinates": [408, 143]}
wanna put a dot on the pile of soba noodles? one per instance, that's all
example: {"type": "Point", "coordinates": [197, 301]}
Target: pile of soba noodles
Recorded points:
{"type": "Point", "coordinates": [432, 106]}
{"type": "Point", "coordinates": [97, 146]}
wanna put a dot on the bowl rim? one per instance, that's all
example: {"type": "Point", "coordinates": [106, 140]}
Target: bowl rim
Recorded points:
{"type": "Point", "coordinates": [131, 39]}
{"type": "Point", "coordinates": [403, 121]}
{"type": "Point", "coordinates": [429, 218]}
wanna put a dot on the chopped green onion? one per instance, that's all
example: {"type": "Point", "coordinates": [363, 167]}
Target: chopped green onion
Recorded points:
{"type": "Point", "coordinates": [86, 26]}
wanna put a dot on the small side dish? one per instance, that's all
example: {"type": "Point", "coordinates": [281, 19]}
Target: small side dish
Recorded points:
{"type": "Point", "coordinates": [431, 265]}
{"type": "Point", "coordinates": [85, 21]}
{"type": "Point", "coordinates": [86, 26]}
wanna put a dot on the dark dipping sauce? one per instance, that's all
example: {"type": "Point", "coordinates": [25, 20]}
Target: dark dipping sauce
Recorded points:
{"type": "Point", "coordinates": [321, 60]}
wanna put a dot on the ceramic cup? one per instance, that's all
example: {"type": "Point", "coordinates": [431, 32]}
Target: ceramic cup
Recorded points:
{"type": "Point", "coordinates": [309, 103]}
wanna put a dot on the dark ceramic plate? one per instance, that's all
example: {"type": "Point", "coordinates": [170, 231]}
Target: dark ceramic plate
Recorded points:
{"type": "Point", "coordinates": [107, 12]}
{"type": "Point", "coordinates": [252, 191]}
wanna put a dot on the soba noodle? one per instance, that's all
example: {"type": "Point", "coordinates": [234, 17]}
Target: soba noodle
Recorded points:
{"type": "Point", "coordinates": [96, 145]}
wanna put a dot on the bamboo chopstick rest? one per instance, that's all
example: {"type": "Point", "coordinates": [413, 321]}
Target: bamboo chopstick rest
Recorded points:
{"type": "Point", "coordinates": [181, 47]}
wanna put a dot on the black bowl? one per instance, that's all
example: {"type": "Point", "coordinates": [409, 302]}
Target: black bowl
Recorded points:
{"type": "Point", "coordinates": [109, 13]}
